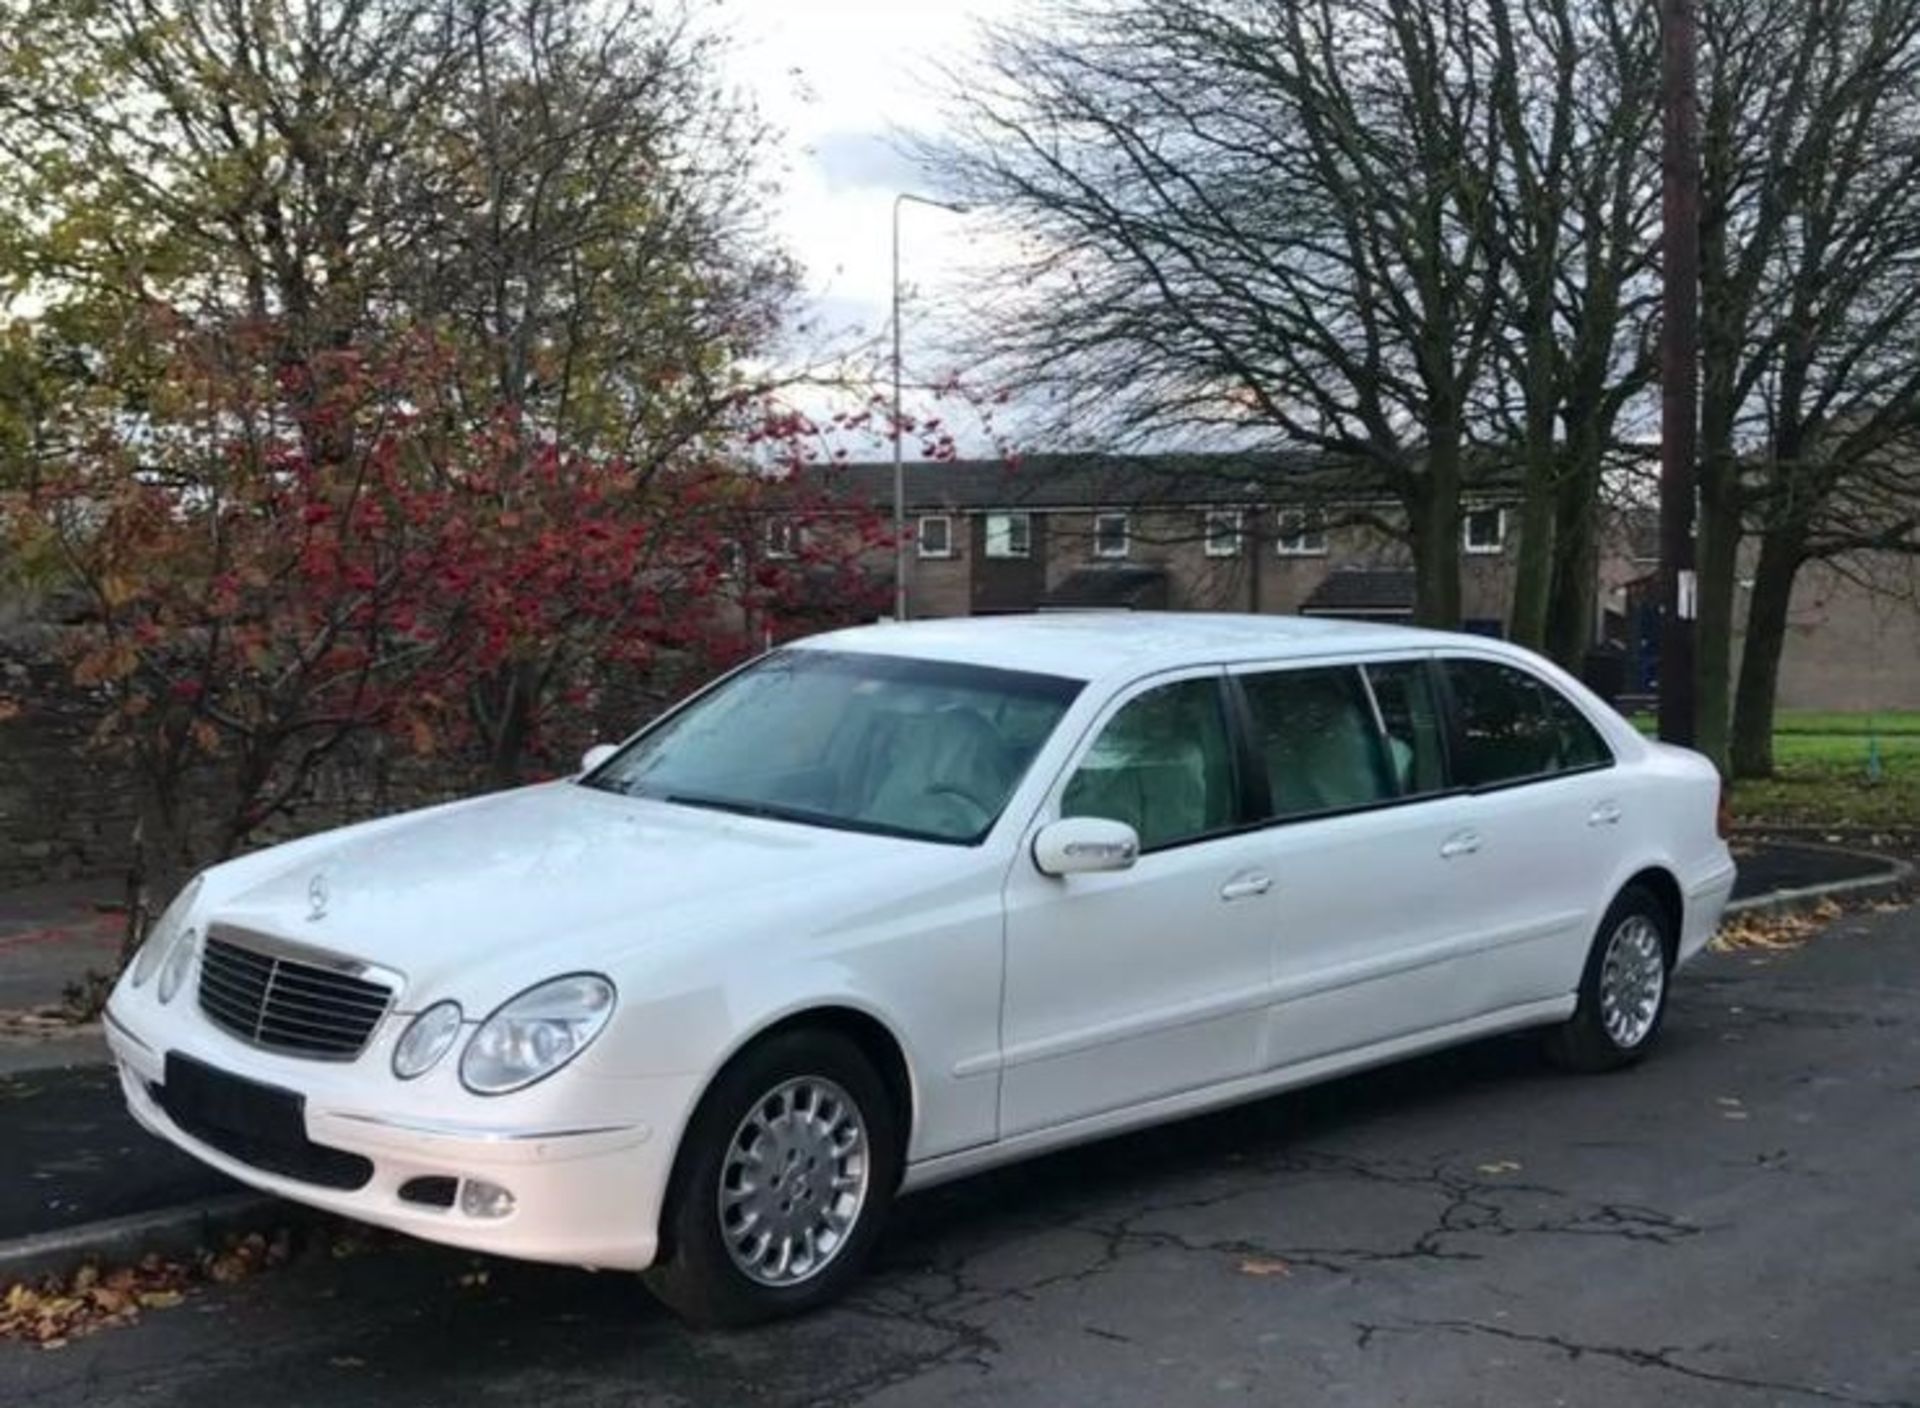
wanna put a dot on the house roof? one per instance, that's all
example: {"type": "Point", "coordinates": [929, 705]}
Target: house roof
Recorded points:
{"type": "Point", "coordinates": [1080, 481]}
{"type": "Point", "coordinates": [1062, 481]}
{"type": "Point", "coordinates": [1095, 587]}
{"type": "Point", "coordinates": [1362, 591]}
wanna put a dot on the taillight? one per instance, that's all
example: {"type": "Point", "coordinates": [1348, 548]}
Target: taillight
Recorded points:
{"type": "Point", "coordinates": [1723, 813]}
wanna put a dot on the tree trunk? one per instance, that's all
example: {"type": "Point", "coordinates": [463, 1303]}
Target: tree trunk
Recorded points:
{"type": "Point", "coordinates": [1533, 573]}
{"type": "Point", "coordinates": [1433, 512]}
{"type": "Point", "coordinates": [1781, 554]}
{"type": "Point", "coordinates": [1576, 569]}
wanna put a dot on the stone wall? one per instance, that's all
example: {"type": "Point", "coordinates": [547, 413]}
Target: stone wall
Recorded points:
{"type": "Point", "coordinates": [68, 805]}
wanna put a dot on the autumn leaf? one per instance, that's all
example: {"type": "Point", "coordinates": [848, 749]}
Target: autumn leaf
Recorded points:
{"type": "Point", "coordinates": [1265, 1266]}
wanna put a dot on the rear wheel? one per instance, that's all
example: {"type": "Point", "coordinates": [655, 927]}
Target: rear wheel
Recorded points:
{"type": "Point", "coordinates": [784, 1177]}
{"type": "Point", "coordinates": [1623, 992]}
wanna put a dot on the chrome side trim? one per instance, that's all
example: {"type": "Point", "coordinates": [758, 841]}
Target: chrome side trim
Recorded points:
{"type": "Point", "coordinates": [485, 1134]}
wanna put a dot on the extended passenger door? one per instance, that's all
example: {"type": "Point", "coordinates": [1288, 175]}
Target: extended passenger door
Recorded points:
{"type": "Point", "coordinates": [1368, 907]}
{"type": "Point", "coordinates": [1127, 986]}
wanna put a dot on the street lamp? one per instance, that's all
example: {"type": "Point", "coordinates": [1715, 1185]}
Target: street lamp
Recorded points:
{"type": "Point", "coordinates": [899, 465]}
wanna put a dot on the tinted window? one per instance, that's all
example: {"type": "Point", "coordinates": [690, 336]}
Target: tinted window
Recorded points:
{"type": "Point", "coordinates": [868, 742]}
{"type": "Point", "coordinates": [1509, 726]}
{"type": "Point", "coordinates": [1410, 714]}
{"type": "Point", "coordinates": [1163, 765]}
{"type": "Point", "coordinates": [1315, 734]}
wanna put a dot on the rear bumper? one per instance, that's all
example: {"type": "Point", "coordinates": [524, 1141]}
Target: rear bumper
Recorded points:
{"type": "Point", "coordinates": [586, 1194]}
{"type": "Point", "coordinates": [1706, 901]}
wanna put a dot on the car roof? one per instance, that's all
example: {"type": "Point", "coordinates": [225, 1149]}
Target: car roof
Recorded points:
{"type": "Point", "coordinates": [1093, 645]}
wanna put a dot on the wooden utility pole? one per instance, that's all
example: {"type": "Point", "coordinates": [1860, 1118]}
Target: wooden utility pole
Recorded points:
{"type": "Point", "coordinates": [1679, 370]}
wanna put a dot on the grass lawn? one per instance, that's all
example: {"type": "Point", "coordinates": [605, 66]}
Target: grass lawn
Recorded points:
{"type": "Point", "coordinates": [1821, 775]}
{"type": "Point", "coordinates": [1820, 762]}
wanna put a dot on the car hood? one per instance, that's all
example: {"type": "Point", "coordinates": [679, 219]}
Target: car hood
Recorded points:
{"type": "Point", "coordinates": [579, 875]}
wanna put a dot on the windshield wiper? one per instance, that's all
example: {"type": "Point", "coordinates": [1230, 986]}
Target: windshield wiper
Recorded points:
{"type": "Point", "coordinates": [727, 804]}
{"type": "Point", "coordinates": [768, 811]}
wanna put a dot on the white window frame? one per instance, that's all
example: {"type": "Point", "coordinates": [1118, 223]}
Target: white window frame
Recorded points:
{"type": "Point", "coordinates": [783, 541]}
{"type": "Point", "coordinates": [945, 520]}
{"type": "Point", "coordinates": [1499, 543]}
{"type": "Point", "coordinates": [1308, 539]}
{"type": "Point", "coordinates": [1126, 534]}
{"type": "Point", "coordinates": [1007, 551]}
{"type": "Point", "coordinates": [1234, 523]}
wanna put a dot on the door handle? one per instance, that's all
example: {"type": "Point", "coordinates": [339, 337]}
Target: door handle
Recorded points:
{"type": "Point", "coordinates": [1246, 887]}
{"type": "Point", "coordinates": [1605, 814]}
{"type": "Point", "coordinates": [1461, 843]}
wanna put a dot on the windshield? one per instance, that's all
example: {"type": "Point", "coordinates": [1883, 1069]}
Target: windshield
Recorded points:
{"type": "Point", "coordinates": [882, 743]}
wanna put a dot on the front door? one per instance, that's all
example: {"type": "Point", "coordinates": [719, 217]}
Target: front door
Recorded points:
{"type": "Point", "coordinates": [1125, 987]}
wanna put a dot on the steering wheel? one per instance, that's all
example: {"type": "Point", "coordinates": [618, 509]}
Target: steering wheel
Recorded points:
{"type": "Point", "coordinates": [954, 789]}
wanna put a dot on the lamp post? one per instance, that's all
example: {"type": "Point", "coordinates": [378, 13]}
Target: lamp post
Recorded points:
{"type": "Point", "coordinates": [899, 464]}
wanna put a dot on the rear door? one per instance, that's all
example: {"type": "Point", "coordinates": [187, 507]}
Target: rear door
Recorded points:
{"type": "Point", "coordinates": [1542, 841]}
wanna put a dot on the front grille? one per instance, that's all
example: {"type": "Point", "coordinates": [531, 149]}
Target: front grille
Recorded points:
{"type": "Point", "coordinates": [287, 1005]}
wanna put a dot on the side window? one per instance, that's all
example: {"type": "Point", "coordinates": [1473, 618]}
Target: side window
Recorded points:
{"type": "Point", "coordinates": [1509, 727]}
{"type": "Point", "coordinates": [1163, 765]}
{"type": "Point", "coordinates": [1411, 717]}
{"type": "Point", "coordinates": [1580, 743]}
{"type": "Point", "coordinates": [1315, 734]}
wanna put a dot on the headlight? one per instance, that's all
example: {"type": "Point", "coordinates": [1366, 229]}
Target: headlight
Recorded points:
{"type": "Point", "coordinates": [427, 1038]}
{"type": "Point", "coordinates": [535, 1034]}
{"type": "Point", "coordinates": [164, 931]}
{"type": "Point", "coordinates": [179, 964]}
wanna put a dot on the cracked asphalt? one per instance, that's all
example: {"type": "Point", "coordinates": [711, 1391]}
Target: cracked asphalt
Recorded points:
{"type": "Point", "coordinates": [1737, 1222]}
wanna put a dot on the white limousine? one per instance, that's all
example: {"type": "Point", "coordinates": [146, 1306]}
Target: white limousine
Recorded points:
{"type": "Point", "coordinates": [894, 904]}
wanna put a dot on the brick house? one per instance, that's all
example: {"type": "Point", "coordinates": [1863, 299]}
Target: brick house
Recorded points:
{"type": "Point", "coordinates": [1278, 533]}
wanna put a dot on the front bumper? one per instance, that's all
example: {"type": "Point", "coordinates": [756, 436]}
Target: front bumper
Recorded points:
{"type": "Point", "coordinates": [585, 1191]}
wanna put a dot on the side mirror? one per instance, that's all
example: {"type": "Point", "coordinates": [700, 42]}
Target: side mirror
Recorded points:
{"type": "Point", "coordinates": [596, 755]}
{"type": "Point", "coordinates": [1082, 845]}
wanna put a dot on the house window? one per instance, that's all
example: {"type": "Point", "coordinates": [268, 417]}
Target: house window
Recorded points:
{"type": "Point", "coordinates": [1009, 535]}
{"type": "Point", "coordinates": [1485, 530]}
{"type": "Point", "coordinates": [1302, 534]}
{"type": "Point", "coordinates": [1111, 535]}
{"type": "Point", "coordinates": [783, 538]}
{"type": "Point", "coordinates": [936, 535]}
{"type": "Point", "coordinates": [1223, 533]}
{"type": "Point", "coordinates": [732, 560]}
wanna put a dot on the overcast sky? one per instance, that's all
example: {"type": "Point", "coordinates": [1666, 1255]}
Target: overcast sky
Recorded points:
{"type": "Point", "coordinates": [841, 77]}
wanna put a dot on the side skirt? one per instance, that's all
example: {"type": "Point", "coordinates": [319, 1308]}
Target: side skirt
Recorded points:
{"type": "Point", "coordinates": [929, 1172]}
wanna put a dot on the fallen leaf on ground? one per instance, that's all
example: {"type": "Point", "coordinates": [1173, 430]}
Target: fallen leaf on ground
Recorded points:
{"type": "Point", "coordinates": [1265, 1266]}
{"type": "Point", "coordinates": [1500, 1166]}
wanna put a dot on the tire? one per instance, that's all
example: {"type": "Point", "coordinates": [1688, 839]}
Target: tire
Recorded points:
{"type": "Point", "coordinates": [776, 1103]}
{"type": "Point", "coordinates": [1606, 1037]}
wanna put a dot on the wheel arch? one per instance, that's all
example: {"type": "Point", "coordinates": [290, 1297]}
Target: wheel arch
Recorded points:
{"type": "Point", "coordinates": [1664, 886]}
{"type": "Point", "coordinates": [876, 1039]}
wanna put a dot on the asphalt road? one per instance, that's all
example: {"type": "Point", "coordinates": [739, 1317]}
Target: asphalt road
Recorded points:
{"type": "Point", "coordinates": [1735, 1223]}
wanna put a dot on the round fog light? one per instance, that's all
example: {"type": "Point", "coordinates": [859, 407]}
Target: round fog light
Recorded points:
{"type": "Point", "coordinates": [479, 1198]}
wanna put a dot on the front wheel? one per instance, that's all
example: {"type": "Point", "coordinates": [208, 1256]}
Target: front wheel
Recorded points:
{"type": "Point", "coordinates": [784, 1177]}
{"type": "Point", "coordinates": [1623, 992]}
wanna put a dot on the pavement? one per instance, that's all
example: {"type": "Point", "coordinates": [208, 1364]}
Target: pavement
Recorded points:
{"type": "Point", "coordinates": [1733, 1222]}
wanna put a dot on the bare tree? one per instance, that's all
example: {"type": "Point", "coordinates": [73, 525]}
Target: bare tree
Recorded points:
{"type": "Point", "coordinates": [1811, 304]}
{"type": "Point", "coordinates": [1577, 93]}
{"type": "Point", "coordinates": [1255, 222]}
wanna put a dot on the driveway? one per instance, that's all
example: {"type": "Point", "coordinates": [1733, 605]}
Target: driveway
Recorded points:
{"type": "Point", "coordinates": [1737, 1222]}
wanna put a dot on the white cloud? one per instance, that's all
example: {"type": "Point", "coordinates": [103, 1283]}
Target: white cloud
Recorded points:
{"type": "Point", "coordinates": [841, 78]}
